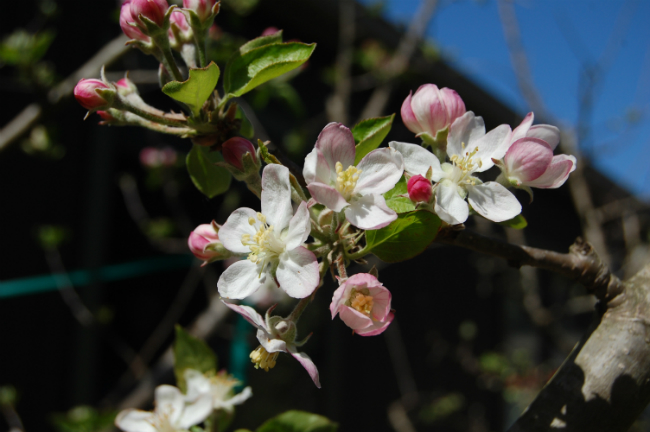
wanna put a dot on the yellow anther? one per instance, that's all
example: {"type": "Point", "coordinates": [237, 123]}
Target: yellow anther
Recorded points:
{"type": "Point", "coordinates": [346, 180]}
{"type": "Point", "coordinates": [251, 221]}
{"type": "Point", "coordinates": [261, 217]}
{"type": "Point", "coordinates": [263, 359]}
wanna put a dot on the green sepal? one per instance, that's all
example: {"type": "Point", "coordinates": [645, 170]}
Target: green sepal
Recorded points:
{"type": "Point", "coordinates": [209, 178]}
{"type": "Point", "coordinates": [191, 353]}
{"type": "Point", "coordinates": [517, 222]}
{"type": "Point", "coordinates": [298, 421]}
{"type": "Point", "coordinates": [265, 155]}
{"type": "Point", "coordinates": [196, 89]}
{"type": "Point", "coordinates": [368, 134]}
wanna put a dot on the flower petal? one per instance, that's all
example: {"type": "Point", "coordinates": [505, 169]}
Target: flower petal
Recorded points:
{"type": "Point", "coordinates": [249, 314]}
{"type": "Point", "coordinates": [450, 207]}
{"type": "Point", "coordinates": [197, 383]}
{"type": "Point", "coordinates": [527, 159]}
{"type": "Point", "coordinates": [418, 160]}
{"type": "Point", "coordinates": [338, 298]}
{"type": "Point", "coordinates": [382, 299]}
{"type": "Point", "coordinates": [521, 131]}
{"type": "Point", "coordinates": [307, 363]}
{"type": "Point", "coordinates": [270, 343]}
{"type": "Point", "coordinates": [378, 327]}
{"type": "Point", "coordinates": [493, 201]}
{"type": "Point", "coordinates": [170, 402]}
{"type": "Point", "coordinates": [134, 420]}
{"type": "Point", "coordinates": [370, 212]}
{"type": "Point", "coordinates": [547, 133]}
{"type": "Point", "coordinates": [328, 196]}
{"type": "Point", "coordinates": [337, 144]}
{"type": "Point", "coordinates": [556, 174]}
{"type": "Point", "coordinates": [299, 228]}
{"type": "Point", "coordinates": [491, 145]}
{"type": "Point", "coordinates": [298, 272]}
{"type": "Point", "coordinates": [354, 319]}
{"type": "Point", "coordinates": [462, 131]}
{"type": "Point", "coordinates": [235, 227]}
{"type": "Point", "coordinates": [242, 279]}
{"type": "Point", "coordinates": [380, 169]}
{"type": "Point", "coordinates": [238, 399]}
{"type": "Point", "coordinates": [197, 411]}
{"type": "Point", "coordinates": [276, 196]}
{"type": "Point", "coordinates": [408, 117]}
{"type": "Point", "coordinates": [317, 169]}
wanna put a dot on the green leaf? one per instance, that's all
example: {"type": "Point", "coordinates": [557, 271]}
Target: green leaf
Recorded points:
{"type": "Point", "coordinates": [209, 178]}
{"type": "Point", "coordinates": [405, 237]}
{"type": "Point", "coordinates": [368, 134]}
{"type": "Point", "coordinates": [191, 353]}
{"type": "Point", "coordinates": [517, 222]}
{"type": "Point", "coordinates": [298, 421]}
{"type": "Point", "coordinates": [246, 129]}
{"type": "Point", "coordinates": [246, 71]}
{"type": "Point", "coordinates": [272, 39]}
{"type": "Point", "coordinates": [395, 201]}
{"type": "Point", "coordinates": [196, 90]}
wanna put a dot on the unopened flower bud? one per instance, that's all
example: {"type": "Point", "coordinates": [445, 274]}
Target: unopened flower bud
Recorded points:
{"type": "Point", "coordinates": [128, 22]}
{"type": "Point", "coordinates": [419, 189]}
{"type": "Point", "coordinates": [431, 110]}
{"type": "Point", "coordinates": [126, 87]}
{"type": "Point", "coordinates": [153, 10]}
{"type": "Point", "coordinates": [204, 243]}
{"type": "Point", "coordinates": [86, 94]}
{"type": "Point", "coordinates": [179, 20]}
{"type": "Point", "coordinates": [234, 150]}
{"type": "Point", "coordinates": [202, 8]}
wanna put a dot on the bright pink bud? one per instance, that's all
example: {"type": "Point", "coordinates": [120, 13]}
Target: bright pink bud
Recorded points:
{"type": "Point", "coordinates": [363, 304]}
{"type": "Point", "coordinates": [86, 94]}
{"type": "Point", "coordinates": [203, 8]}
{"type": "Point", "coordinates": [430, 110]}
{"type": "Point", "coordinates": [199, 241]}
{"type": "Point", "coordinates": [419, 189]}
{"type": "Point", "coordinates": [234, 150]}
{"type": "Point", "coordinates": [153, 10]}
{"type": "Point", "coordinates": [126, 21]}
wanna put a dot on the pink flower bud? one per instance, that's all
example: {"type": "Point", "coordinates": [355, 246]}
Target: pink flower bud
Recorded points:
{"type": "Point", "coordinates": [125, 87]}
{"type": "Point", "coordinates": [203, 8]}
{"type": "Point", "coordinates": [179, 19]}
{"type": "Point", "coordinates": [86, 94]}
{"type": "Point", "coordinates": [269, 31]}
{"type": "Point", "coordinates": [363, 304]}
{"type": "Point", "coordinates": [127, 21]}
{"type": "Point", "coordinates": [234, 150]}
{"type": "Point", "coordinates": [154, 10]}
{"type": "Point", "coordinates": [201, 240]}
{"type": "Point", "coordinates": [419, 189]}
{"type": "Point", "coordinates": [430, 110]}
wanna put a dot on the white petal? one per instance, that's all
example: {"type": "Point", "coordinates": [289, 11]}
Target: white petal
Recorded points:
{"type": "Point", "coordinates": [450, 207]}
{"type": "Point", "coordinates": [238, 399]}
{"type": "Point", "coordinates": [170, 402]}
{"type": "Point", "coordinates": [299, 228]}
{"type": "Point", "coordinates": [463, 131]}
{"type": "Point", "coordinates": [307, 363]}
{"type": "Point", "coordinates": [317, 169]}
{"type": "Point", "coordinates": [298, 272]}
{"type": "Point", "coordinates": [134, 420]}
{"type": "Point", "coordinates": [276, 196]}
{"type": "Point", "coordinates": [196, 411]}
{"type": "Point", "coordinates": [380, 169]}
{"type": "Point", "coordinates": [328, 196]}
{"type": "Point", "coordinates": [249, 314]}
{"type": "Point", "coordinates": [235, 227]}
{"type": "Point", "coordinates": [545, 132]}
{"type": "Point", "coordinates": [418, 160]}
{"type": "Point", "coordinates": [493, 201]}
{"type": "Point", "coordinates": [493, 144]}
{"type": "Point", "coordinates": [271, 344]}
{"type": "Point", "coordinates": [242, 279]}
{"type": "Point", "coordinates": [337, 144]}
{"type": "Point", "coordinates": [370, 212]}
{"type": "Point", "coordinates": [522, 130]}
{"type": "Point", "coordinates": [197, 384]}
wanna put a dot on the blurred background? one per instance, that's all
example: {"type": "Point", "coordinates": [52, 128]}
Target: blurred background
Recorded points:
{"type": "Point", "coordinates": [96, 269]}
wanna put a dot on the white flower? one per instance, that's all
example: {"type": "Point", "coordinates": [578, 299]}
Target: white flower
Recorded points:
{"type": "Point", "coordinates": [172, 413]}
{"type": "Point", "coordinates": [470, 150]}
{"type": "Point", "coordinates": [333, 180]}
{"type": "Point", "coordinates": [273, 240]}
{"type": "Point", "coordinates": [219, 387]}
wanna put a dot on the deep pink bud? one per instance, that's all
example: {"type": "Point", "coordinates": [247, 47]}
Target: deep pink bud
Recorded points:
{"type": "Point", "coordinates": [419, 189]}
{"type": "Point", "coordinates": [86, 95]}
{"type": "Point", "coordinates": [204, 243]}
{"type": "Point", "coordinates": [153, 10]}
{"type": "Point", "coordinates": [126, 21]}
{"type": "Point", "coordinates": [234, 150]}
{"type": "Point", "coordinates": [203, 8]}
{"type": "Point", "coordinates": [430, 110]}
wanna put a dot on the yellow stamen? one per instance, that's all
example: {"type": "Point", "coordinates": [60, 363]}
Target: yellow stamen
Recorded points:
{"type": "Point", "coordinates": [346, 180]}
{"type": "Point", "coordinates": [362, 301]}
{"type": "Point", "coordinates": [263, 359]}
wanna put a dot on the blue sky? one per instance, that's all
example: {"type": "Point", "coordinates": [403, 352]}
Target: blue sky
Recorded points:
{"type": "Point", "coordinates": [560, 36]}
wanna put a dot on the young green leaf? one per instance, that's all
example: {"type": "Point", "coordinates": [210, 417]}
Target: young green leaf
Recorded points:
{"type": "Point", "coordinates": [196, 90]}
{"type": "Point", "coordinates": [271, 39]}
{"type": "Point", "coordinates": [517, 222]}
{"type": "Point", "coordinates": [368, 134]}
{"type": "Point", "coordinates": [405, 237]}
{"type": "Point", "coordinates": [209, 178]}
{"type": "Point", "coordinates": [298, 421]}
{"type": "Point", "coordinates": [191, 353]}
{"type": "Point", "coordinates": [395, 200]}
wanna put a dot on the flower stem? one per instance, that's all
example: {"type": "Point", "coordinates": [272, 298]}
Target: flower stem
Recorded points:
{"type": "Point", "coordinates": [121, 103]}
{"type": "Point", "coordinates": [360, 254]}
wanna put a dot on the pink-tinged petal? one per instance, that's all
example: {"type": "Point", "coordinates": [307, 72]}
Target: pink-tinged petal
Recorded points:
{"type": "Point", "coordinates": [491, 145]}
{"type": "Point", "coordinates": [556, 174]}
{"type": "Point", "coordinates": [382, 301]}
{"type": "Point", "coordinates": [429, 109]}
{"type": "Point", "coordinates": [299, 228]}
{"type": "Point", "coordinates": [339, 298]}
{"type": "Point", "coordinates": [197, 244]}
{"type": "Point", "coordinates": [370, 212]}
{"type": "Point", "coordinates": [235, 227]}
{"type": "Point", "coordinates": [298, 272]}
{"type": "Point", "coordinates": [380, 169]}
{"type": "Point", "coordinates": [197, 411]}
{"type": "Point", "coordinates": [464, 130]}
{"type": "Point", "coordinates": [276, 196]}
{"type": "Point", "coordinates": [307, 363]}
{"type": "Point", "coordinates": [316, 169]}
{"type": "Point", "coordinates": [450, 207]}
{"type": "Point", "coordinates": [418, 160]}
{"type": "Point", "coordinates": [169, 401]}
{"type": "Point", "coordinates": [527, 159]}
{"type": "Point", "coordinates": [378, 327]}
{"type": "Point", "coordinates": [453, 102]}
{"type": "Point", "coordinates": [337, 144]}
{"type": "Point", "coordinates": [248, 313]}
{"type": "Point", "coordinates": [242, 279]}
{"type": "Point", "coordinates": [493, 201]}
{"type": "Point", "coordinates": [365, 280]}
{"type": "Point", "coordinates": [270, 343]}
{"type": "Point", "coordinates": [328, 196]}
{"type": "Point", "coordinates": [547, 133]}
{"type": "Point", "coordinates": [408, 117]}
{"type": "Point", "coordinates": [522, 130]}
{"type": "Point", "coordinates": [133, 420]}
{"type": "Point", "coordinates": [419, 189]}
{"type": "Point", "coordinates": [354, 319]}
{"type": "Point", "coordinates": [207, 231]}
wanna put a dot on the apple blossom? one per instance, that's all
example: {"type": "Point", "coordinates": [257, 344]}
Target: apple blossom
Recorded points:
{"type": "Point", "coordinates": [171, 414]}
{"type": "Point", "coordinates": [431, 110]}
{"type": "Point", "coordinates": [235, 149]}
{"type": "Point", "coordinates": [334, 181]}
{"type": "Point", "coordinates": [205, 245]}
{"type": "Point", "coordinates": [363, 304]}
{"type": "Point", "coordinates": [128, 24]}
{"type": "Point", "coordinates": [273, 240]}
{"type": "Point", "coordinates": [547, 133]}
{"type": "Point", "coordinates": [419, 189]}
{"type": "Point", "coordinates": [219, 387]}
{"type": "Point", "coordinates": [275, 334]}
{"type": "Point", "coordinates": [202, 8]}
{"type": "Point", "coordinates": [86, 94]}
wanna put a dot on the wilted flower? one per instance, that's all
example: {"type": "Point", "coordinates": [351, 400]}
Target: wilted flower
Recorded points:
{"type": "Point", "coordinates": [219, 387]}
{"type": "Point", "coordinates": [431, 110]}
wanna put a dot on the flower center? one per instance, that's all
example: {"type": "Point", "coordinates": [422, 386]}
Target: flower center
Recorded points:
{"type": "Point", "coordinates": [263, 359]}
{"type": "Point", "coordinates": [221, 386]}
{"type": "Point", "coordinates": [264, 244]}
{"type": "Point", "coordinates": [161, 421]}
{"type": "Point", "coordinates": [361, 302]}
{"type": "Point", "coordinates": [346, 180]}
{"type": "Point", "coordinates": [464, 166]}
